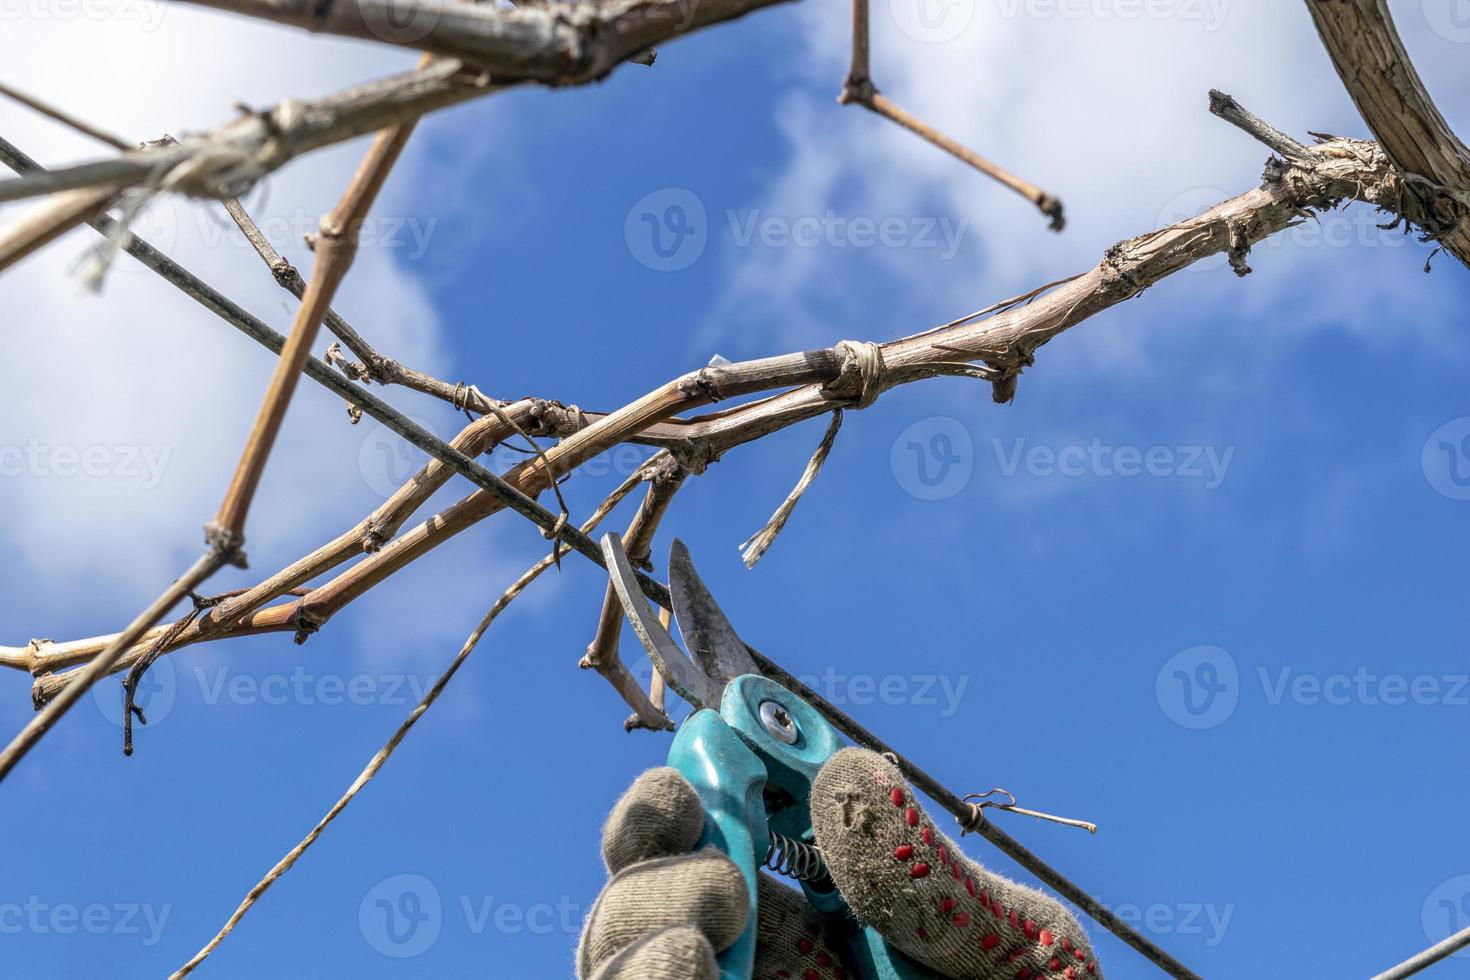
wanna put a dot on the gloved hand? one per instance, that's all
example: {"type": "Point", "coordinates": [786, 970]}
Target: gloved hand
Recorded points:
{"type": "Point", "coordinates": [667, 910]}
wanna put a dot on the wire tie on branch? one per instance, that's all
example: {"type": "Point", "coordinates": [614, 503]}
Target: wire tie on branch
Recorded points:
{"type": "Point", "coordinates": [979, 801]}
{"type": "Point", "coordinates": [459, 400]}
{"type": "Point", "coordinates": [860, 376]}
{"type": "Point", "coordinates": [555, 532]}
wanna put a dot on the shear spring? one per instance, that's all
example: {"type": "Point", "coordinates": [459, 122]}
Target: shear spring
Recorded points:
{"type": "Point", "coordinates": [797, 859]}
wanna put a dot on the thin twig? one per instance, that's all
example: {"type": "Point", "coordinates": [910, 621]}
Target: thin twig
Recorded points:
{"type": "Point", "coordinates": [656, 689]}
{"type": "Point", "coordinates": [1048, 204]}
{"type": "Point", "coordinates": [858, 88]}
{"type": "Point", "coordinates": [382, 755]}
{"type": "Point", "coordinates": [66, 118]}
{"type": "Point", "coordinates": [374, 365]}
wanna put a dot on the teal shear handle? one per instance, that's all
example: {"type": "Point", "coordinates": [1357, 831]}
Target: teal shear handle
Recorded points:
{"type": "Point", "coordinates": [729, 780]}
{"type": "Point", "coordinates": [752, 764]}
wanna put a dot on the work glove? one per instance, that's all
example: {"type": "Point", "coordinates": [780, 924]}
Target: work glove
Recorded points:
{"type": "Point", "coordinates": [668, 910]}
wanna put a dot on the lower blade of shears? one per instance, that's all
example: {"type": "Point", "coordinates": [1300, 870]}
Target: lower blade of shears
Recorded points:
{"type": "Point", "coordinates": [678, 671]}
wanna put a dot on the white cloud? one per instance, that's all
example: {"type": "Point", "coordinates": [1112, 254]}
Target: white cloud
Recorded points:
{"type": "Point", "coordinates": [142, 373]}
{"type": "Point", "coordinates": [1102, 102]}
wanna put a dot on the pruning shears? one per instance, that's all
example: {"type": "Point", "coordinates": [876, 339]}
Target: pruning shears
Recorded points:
{"type": "Point", "coordinates": [750, 750]}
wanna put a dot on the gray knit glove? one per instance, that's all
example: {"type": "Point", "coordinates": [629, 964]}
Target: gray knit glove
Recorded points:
{"type": "Point", "coordinates": [667, 910]}
{"type": "Point", "coordinates": [899, 874]}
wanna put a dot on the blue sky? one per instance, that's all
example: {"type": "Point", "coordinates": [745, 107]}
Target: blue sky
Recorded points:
{"type": "Point", "coordinates": [1197, 584]}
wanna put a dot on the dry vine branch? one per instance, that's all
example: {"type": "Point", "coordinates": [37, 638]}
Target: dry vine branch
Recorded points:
{"type": "Point", "coordinates": [1365, 47]}
{"type": "Point", "coordinates": [576, 44]}
{"type": "Point", "coordinates": [560, 44]}
{"type": "Point", "coordinates": [65, 118]}
{"type": "Point", "coordinates": [565, 44]}
{"type": "Point", "coordinates": [1339, 170]}
{"type": "Point", "coordinates": [1332, 172]}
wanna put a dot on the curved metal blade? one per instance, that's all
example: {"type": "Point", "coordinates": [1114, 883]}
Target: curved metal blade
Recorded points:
{"type": "Point", "coordinates": [712, 642]}
{"type": "Point", "coordinates": [685, 677]}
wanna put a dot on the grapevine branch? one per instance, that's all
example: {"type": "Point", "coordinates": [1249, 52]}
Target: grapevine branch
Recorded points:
{"type": "Point", "coordinates": [1006, 341]}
